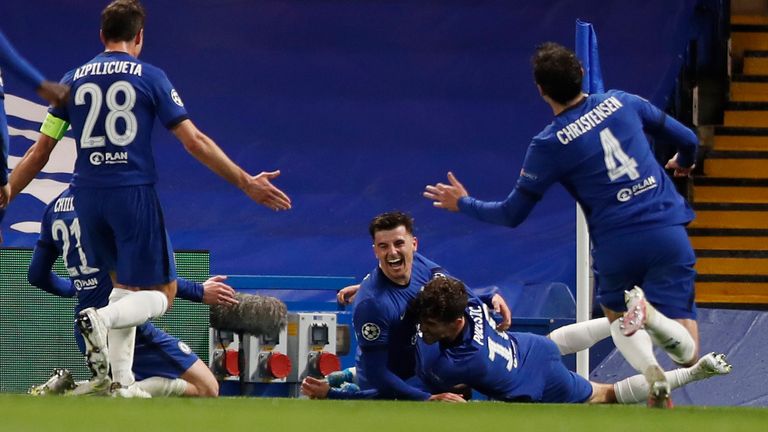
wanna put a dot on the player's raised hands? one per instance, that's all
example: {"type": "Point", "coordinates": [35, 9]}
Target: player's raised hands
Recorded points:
{"type": "Point", "coordinates": [216, 292]}
{"type": "Point", "coordinates": [260, 189]}
{"type": "Point", "coordinates": [446, 196]}
{"type": "Point", "coordinates": [54, 93]}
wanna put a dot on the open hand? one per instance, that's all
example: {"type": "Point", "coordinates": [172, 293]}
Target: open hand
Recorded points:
{"type": "Point", "coordinates": [446, 196]}
{"type": "Point", "coordinates": [260, 189]}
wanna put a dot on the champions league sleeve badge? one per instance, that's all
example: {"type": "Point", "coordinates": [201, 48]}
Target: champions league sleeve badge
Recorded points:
{"type": "Point", "coordinates": [371, 331]}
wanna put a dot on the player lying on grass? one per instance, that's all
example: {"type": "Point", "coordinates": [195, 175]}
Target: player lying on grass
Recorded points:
{"type": "Point", "coordinates": [163, 365]}
{"type": "Point", "coordinates": [460, 347]}
{"type": "Point", "coordinates": [511, 366]}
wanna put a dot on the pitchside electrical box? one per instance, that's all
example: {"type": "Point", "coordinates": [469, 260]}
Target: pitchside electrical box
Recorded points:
{"type": "Point", "coordinates": [312, 345]}
{"type": "Point", "coordinates": [263, 359]}
{"type": "Point", "coordinates": [266, 358]}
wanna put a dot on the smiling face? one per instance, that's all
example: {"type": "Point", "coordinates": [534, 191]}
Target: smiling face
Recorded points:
{"type": "Point", "coordinates": [394, 249]}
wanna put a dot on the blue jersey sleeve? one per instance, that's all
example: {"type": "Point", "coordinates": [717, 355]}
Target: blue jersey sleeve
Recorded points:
{"type": "Point", "coordinates": [659, 125]}
{"type": "Point", "coordinates": [40, 274]}
{"type": "Point", "coordinates": [511, 212]}
{"type": "Point", "coordinates": [12, 61]}
{"type": "Point", "coordinates": [170, 108]}
{"type": "Point", "coordinates": [338, 394]}
{"type": "Point", "coordinates": [189, 290]}
{"type": "Point", "coordinates": [388, 385]}
{"type": "Point", "coordinates": [485, 295]}
{"type": "Point", "coordinates": [371, 321]}
{"type": "Point", "coordinates": [540, 168]}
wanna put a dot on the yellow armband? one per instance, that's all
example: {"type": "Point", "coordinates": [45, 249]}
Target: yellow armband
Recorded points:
{"type": "Point", "coordinates": [54, 127]}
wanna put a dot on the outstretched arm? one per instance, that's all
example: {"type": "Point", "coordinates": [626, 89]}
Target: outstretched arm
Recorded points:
{"type": "Point", "coordinates": [454, 197]}
{"type": "Point", "coordinates": [30, 165]}
{"type": "Point", "coordinates": [10, 60]}
{"type": "Point", "coordinates": [204, 149]}
{"type": "Point", "coordinates": [211, 292]}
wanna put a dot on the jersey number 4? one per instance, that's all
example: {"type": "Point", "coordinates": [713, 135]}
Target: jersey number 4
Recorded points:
{"type": "Point", "coordinates": [117, 111]}
{"type": "Point", "coordinates": [616, 161]}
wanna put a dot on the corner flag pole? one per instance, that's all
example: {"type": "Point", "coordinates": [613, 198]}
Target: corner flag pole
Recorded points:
{"type": "Point", "coordinates": [586, 51]}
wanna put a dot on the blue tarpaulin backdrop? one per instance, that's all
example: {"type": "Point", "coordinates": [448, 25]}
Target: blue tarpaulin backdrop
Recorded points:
{"type": "Point", "coordinates": [360, 104]}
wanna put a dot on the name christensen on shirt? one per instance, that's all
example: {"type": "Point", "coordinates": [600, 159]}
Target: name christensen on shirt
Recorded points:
{"type": "Point", "coordinates": [590, 120]}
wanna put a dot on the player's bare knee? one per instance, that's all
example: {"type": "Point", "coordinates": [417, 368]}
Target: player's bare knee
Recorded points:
{"type": "Point", "coordinates": [602, 393]}
{"type": "Point", "coordinates": [210, 389]}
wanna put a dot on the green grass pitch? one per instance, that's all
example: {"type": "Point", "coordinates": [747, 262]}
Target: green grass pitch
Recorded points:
{"type": "Point", "coordinates": [26, 413]}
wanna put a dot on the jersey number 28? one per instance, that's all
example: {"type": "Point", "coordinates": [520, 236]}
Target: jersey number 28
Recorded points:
{"type": "Point", "coordinates": [117, 111]}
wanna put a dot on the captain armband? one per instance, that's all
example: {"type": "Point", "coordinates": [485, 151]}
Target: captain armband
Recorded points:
{"type": "Point", "coordinates": [54, 127]}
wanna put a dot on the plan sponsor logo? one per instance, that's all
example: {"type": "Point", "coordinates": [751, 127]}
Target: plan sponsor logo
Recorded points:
{"type": "Point", "coordinates": [627, 194]}
{"type": "Point", "coordinates": [109, 158]}
{"type": "Point", "coordinates": [87, 284]}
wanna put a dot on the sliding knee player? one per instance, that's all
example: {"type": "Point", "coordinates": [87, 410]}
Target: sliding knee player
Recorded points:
{"type": "Point", "coordinates": [510, 366]}
{"type": "Point", "coordinates": [165, 365]}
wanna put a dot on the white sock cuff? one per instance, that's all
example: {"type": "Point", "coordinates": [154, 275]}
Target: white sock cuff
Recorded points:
{"type": "Point", "coordinates": [581, 335]}
{"type": "Point", "coordinates": [163, 387]}
{"type": "Point", "coordinates": [631, 390]}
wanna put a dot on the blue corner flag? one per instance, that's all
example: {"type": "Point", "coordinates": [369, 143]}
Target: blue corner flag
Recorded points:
{"type": "Point", "coordinates": [586, 52]}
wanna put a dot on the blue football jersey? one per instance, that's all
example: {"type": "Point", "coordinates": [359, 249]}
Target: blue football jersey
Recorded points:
{"type": "Point", "coordinates": [112, 108]}
{"type": "Point", "coordinates": [60, 229]}
{"type": "Point", "coordinates": [599, 152]}
{"type": "Point", "coordinates": [484, 359]}
{"type": "Point", "coordinates": [380, 317]}
{"type": "Point", "coordinates": [505, 366]}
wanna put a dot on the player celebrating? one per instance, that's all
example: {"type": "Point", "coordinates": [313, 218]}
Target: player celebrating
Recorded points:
{"type": "Point", "coordinates": [597, 149]}
{"type": "Point", "coordinates": [385, 331]}
{"type": "Point", "coordinates": [115, 99]}
{"type": "Point", "coordinates": [52, 92]}
{"type": "Point", "coordinates": [511, 366]}
{"type": "Point", "coordinates": [164, 365]}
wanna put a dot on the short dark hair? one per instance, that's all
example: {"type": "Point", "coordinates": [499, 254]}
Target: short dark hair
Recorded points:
{"type": "Point", "coordinates": [122, 20]}
{"type": "Point", "coordinates": [557, 71]}
{"type": "Point", "coordinates": [389, 221]}
{"type": "Point", "coordinates": [443, 299]}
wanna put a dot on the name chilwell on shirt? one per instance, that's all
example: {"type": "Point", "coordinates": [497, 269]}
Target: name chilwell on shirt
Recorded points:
{"type": "Point", "coordinates": [588, 121]}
